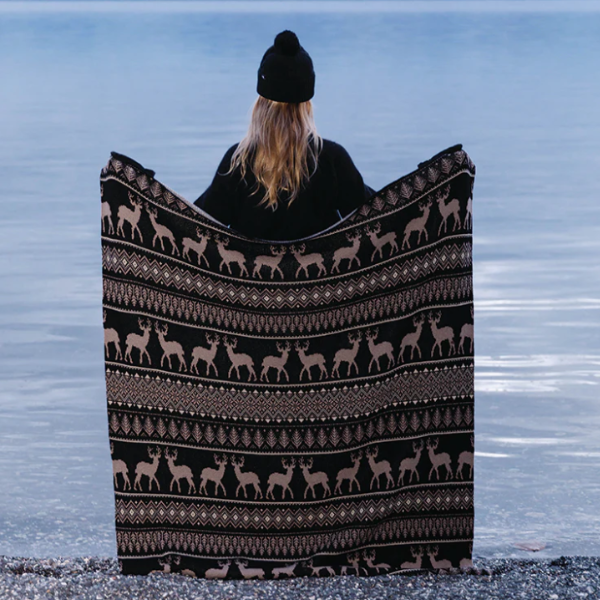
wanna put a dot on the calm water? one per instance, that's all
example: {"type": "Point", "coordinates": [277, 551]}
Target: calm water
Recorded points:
{"type": "Point", "coordinates": [172, 87]}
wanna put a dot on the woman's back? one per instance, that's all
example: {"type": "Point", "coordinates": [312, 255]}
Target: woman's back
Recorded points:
{"type": "Point", "coordinates": [334, 190]}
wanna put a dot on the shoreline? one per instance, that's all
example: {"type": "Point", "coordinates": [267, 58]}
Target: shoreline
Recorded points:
{"type": "Point", "coordinates": [98, 578]}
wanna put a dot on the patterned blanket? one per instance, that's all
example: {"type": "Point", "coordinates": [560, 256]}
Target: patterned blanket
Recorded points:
{"type": "Point", "coordinates": [297, 408]}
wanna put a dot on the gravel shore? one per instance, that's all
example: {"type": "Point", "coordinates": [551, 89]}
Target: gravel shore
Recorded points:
{"type": "Point", "coordinates": [93, 578]}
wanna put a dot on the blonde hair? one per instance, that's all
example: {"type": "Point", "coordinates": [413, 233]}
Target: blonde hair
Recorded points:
{"type": "Point", "coordinates": [281, 142]}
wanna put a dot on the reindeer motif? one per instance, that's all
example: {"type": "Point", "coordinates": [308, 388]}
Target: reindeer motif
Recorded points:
{"type": "Point", "coordinates": [452, 208]}
{"type": "Point", "coordinates": [120, 466]}
{"type": "Point", "coordinates": [411, 340]}
{"type": "Point", "coordinates": [469, 217]}
{"type": "Point", "coordinates": [134, 340]}
{"type": "Point", "coordinates": [147, 469]}
{"type": "Point", "coordinates": [353, 560]}
{"type": "Point", "coordinates": [349, 473]}
{"type": "Point", "coordinates": [198, 247]}
{"type": "Point", "coordinates": [432, 552]}
{"type": "Point", "coordinates": [271, 261]}
{"type": "Point", "coordinates": [106, 214]}
{"type": "Point", "coordinates": [218, 573]}
{"type": "Point", "coordinates": [214, 475]}
{"type": "Point", "coordinates": [411, 463]}
{"type": "Point", "coordinates": [306, 260]}
{"type": "Point", "coordinates": [379, 468]}
{"type": "Point", "coordinates": [349, 253]}
{"type": "Point", "coordinates": [347, 355]}
{"type": "Point", "coordinates": [179, 472]}
{"type": "Point", "coordinates": [284, 570]}
{"type": "Point", "coordinates": [466, 332]}
{"type": "Point", "coordinates": [417, 225]}
{"type": "Point", "coordinates": [249, 573]}
{"type": "Point", "coordinates": [310, 360]}
{"type": "Point", "coordinates": [369, 557]}
{"type": "Point", "coordinates": [466, 458]}
{"type": "Point", "coordinates": [443, 334]}
{"type": "Point", "coordinates": [314, 479]}
{"type": "Point", "coordinates": [167, 564]}
{"type": "Point", "coordinates": [282, 479]}
{"type": "Point", "coordinates": [238, 360]}
{"type": "Point", "coordinates": [206, 355]}
{"type": "Point", "coordinates": [437, 460]}
{"type": "Point", "coordinates": [276, 362]}
{"type": "Point", "coordinates": [131, 216]}
{"type": "Point", "coordinates": [161, 232]}
{"type": "Point", "coordinates": [230, 256]}
{"type": "Point", "coordinates": [381, 242]}
{"type": "Point", "coordinates": [245, 478]}
{"type": "Point", "coordinates": [316, 570]}
{"type": "Point", "coordinates": [466, 563]}
{"type": "Point", "coordinates": [169, 348]}
{"type": "Point", "coordinates": [111, 337]}
{"type": "Point", "coordinates": [417, 552]}
{"type": "Point", "coordinates": [379, 350]}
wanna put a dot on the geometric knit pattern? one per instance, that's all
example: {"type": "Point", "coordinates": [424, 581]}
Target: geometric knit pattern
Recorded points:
{"type": "Point", "coordinates": [301, 408]}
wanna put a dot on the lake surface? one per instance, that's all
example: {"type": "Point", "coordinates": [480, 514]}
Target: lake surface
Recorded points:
{"type": "Point", "coordinates": [172, 85]}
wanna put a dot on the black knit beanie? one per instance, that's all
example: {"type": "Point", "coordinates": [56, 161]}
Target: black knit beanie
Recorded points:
{"type": "Point", "coordinates": [286, 71]}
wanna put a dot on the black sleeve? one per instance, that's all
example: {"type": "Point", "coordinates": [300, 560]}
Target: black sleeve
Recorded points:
{"type": "Point", "coordinates": [352, 191]}
{"type": "Point", "coordinates": [219, 198]}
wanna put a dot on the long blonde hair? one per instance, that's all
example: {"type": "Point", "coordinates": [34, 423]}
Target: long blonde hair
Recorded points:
{"type": "Point", "coordinates": [281, 144]}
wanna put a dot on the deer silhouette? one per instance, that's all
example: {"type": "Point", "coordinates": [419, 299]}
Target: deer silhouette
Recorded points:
{"type": "Point", "coordinates": [349, 473]}
{"type": "Point", "coordinates": [442, 334]}
{"type": "Point", "coordinates": [147, 469]}
{"type": "Point", "coordinates": [315, 571]}
{"type": "Point", "coordinates": [106, 214]}
{"type": "Point", "coordinates": [111, 337]}
{"type": "Point", "coordinates": [169, 348]}
{"type": "Point", "coordinates": [199, 247]}
{"type": "Point", "coordinates": [411, 463]}
{"type": "Point", "coordinates": [134, 340]}
{"type": "Point", "coordinates": [250, 573]}
{"type": "Point", "coordinates": [238, 360]}
{"type": "Point", "coordinates": [347, 355]}
{"type": "Point", "coordinates": [417, 225]}
{"type": "Point", "coordinates": [349, 253]}
{"type": "Point", "coordinates": [131, 216]}
{"type": "Point", "coordinates": [120, 466]}
{"type": "Point", "coordinates": [310, 360]}
{"type": "Point", "coordinates": [271, 261]}
{"type": "Point", "coordinates": [437, 460]}
{"type": "Point", "coordinates": [220, 572]}
{"type": "Point", "coordinates": [466, 563]}
{"type": "Point", "coordinates": [369, 558]}
{"type": "Point", "coordinates": [417, 552]}
{"type": "Point", "coordinates": [167, 564]}
{"type": "Point", "coordinates": [306, 260]}
{"type": "Point", "coordinates": [466, 458]}
{"type": "Point", "coordinates": [282, 479]}
{"type": "Point", "coordinates": [206, 355]}
{"type": "Point", "coordinates": [276, 362]}
{"type": "Point", "coordinates": [411, 340]}
{"type": "Point", "coordinates": [214, 475]}
{"type": "Point", "coordinates": [468, 222]}
{"type": "Point", "coordinates": [378, 350]}
{"type": "Point", "coordinates": [179, 472]}
{"type": "Point", "coordinates": [230, 256]}
{"type": "Point", "coordinates": [380, 468]}
{"type": "Point", "coordinates": [354, 560]}
{"type": "Point", "coordinates": [161, 232]}
{"type": "Point", "coordinates": [245, 478]}
{"type": "Point", "coordinates": [381, 242]}
{"type": "Point", "coordinates": [452, 208]}
{"type": "Point", "coordinates": [432, 552]}
{"type": "Point", "coordinates": [466, 332]}
{"type": "Point", "coordinates": [314, 479]}
{"type": "Point", "coordinates": [284, 570]}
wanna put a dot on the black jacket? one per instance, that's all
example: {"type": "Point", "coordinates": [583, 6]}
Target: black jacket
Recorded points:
{"type": "Point", "coordinates": [335, 190]}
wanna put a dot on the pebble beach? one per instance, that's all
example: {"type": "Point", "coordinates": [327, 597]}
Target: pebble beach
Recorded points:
{"type": "Point", "coordinates": [97, 578]}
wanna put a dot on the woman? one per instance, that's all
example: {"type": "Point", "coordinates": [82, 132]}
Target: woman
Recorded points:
{"type": "Point", "coordinates": [283, 181]}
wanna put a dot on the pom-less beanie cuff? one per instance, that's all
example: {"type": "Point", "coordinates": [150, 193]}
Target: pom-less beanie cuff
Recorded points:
{"type": "Point", "coordinates": [286, 71]}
